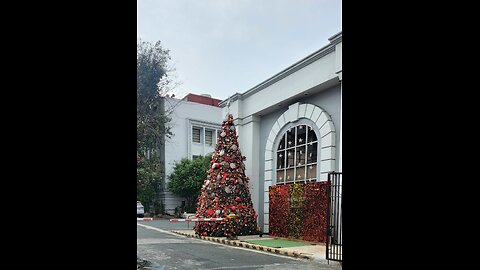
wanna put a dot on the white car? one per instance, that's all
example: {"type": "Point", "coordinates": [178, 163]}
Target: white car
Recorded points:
{"type": "Point", "coordinates": [140, 209]}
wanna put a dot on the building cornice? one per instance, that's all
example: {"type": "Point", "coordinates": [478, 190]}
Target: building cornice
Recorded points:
{"type": "Point", "coordinates": [232, 99]}
{"type": "Point", "coordinates": [334, 40]}
{"type": "Point", "coordinates": [247, 120]}
{"type": "Point", "coordinates": [203, 123]}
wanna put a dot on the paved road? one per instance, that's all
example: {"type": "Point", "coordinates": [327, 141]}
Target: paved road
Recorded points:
{"type": "Point", "coordinates": [165, 250]}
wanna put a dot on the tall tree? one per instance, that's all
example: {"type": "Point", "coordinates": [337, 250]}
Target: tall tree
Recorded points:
{"type": "Point", "coordinates": [152, 120]}
{"type": "Point", "coordinates": [226, 191]}
{"type": "Point", "coordinates": [152, 82]}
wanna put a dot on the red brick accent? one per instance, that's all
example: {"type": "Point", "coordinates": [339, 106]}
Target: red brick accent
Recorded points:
{"type": "Point", "coordinates": [202, 99]}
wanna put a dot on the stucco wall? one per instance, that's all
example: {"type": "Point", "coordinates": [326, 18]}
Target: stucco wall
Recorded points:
{"type": "Point", "coordinates": [306, 78]}
{"type": "Point", "coordinates": [329, 100]}
{"type": "Point", "coordinates": [177, 147]}
{"type": "Point", "coordinates": [314, 80]}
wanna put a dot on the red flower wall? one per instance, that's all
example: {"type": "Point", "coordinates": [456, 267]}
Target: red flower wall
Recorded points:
{"type": "Point", "coordinates": [315, 212]}
{"type": "Point", "coordinates": [299, 211]}
{"type": "Point", "coordinates": [279, 217]}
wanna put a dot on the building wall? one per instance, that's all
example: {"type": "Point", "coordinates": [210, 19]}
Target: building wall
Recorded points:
{"type": "Point", "coordinates": [300, 81]}
{"type": "Point", "coordinates": [314, 80]}
{"type": "Point", "coordinates": [329, 100]}
{"type": "Point", "coordinates": [183, 115]}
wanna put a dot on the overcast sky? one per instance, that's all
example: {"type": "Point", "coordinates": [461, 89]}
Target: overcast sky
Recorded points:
{"type": "Point", "coordinates": [220, 47]}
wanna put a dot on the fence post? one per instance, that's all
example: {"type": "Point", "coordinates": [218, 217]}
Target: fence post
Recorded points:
{"type": "Point", "coordinates": [334, 217]}
{"type": "Point", "coordinates": [232, 224]}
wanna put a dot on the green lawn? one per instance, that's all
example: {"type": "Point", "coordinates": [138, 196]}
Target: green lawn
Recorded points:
{"type": "Point", "coordinates": [277, 243]}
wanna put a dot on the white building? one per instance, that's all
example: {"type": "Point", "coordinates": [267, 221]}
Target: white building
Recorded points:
{"type": "Point", "coordinates": [289, 125]}
{"type": "Point", "coordinates": [195, 121]}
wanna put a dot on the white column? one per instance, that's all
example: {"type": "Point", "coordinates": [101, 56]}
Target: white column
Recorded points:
{"type": "Point", "coordinates": [338, 70]}
{"type": "Point", "coordinates": [189, 139]}
{"type": "Point", "coordinates": [341, 108]}
{"type": "Point", "coordinates": [203, 141]}
{"type": "Point", "coordinates": [249, 142]}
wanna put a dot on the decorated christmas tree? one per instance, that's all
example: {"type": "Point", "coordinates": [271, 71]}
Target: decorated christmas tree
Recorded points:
{"type": "Point", "coordinates": [226, 192]}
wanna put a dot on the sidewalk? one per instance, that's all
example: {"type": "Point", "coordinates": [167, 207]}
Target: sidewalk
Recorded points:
{"type": "Point", "coordinates": [313, 251]}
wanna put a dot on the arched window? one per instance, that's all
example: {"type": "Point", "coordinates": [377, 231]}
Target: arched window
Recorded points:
{"type": "Point", "coordinates": [297, 156]}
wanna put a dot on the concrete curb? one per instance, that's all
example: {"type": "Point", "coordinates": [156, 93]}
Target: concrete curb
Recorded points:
{"type": "Point", "coordinates": [238, 243]}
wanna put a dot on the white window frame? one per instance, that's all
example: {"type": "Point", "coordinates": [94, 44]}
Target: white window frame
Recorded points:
{"type": "Point", "coordinates": [294, 148]}
{"type": "Point", "coordinates": [202, 125]}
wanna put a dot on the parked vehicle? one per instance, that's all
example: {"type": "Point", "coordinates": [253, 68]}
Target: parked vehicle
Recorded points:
{"type": "Point", "coordinates": [140, 209]}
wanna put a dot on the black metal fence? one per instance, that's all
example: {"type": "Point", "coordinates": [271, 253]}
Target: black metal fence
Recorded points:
{"type": "Point", "coordinates": [334, 217]}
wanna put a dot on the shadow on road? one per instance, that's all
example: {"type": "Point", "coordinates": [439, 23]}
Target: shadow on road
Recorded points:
{"type": "Point", "coordinates": [141, 263]}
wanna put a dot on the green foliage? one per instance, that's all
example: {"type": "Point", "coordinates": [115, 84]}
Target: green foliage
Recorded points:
{"type": "Point", "coordinates": [152, 121]}
{"type": "Point", "coordinates": [148, 181]}
{"type": "Point", "coordinates": [151, 67]}
{"type": "Point", "coordinates": [190, 208]}
{"type": "Point", "coordinates": [152, 82]}
{"type": "Point", "coordinates": [187, 179]}
{"type": "Point", "coordinates": [159, 207]}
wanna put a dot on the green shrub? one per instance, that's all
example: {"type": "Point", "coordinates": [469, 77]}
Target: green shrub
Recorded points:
{"type": "Point", "coordinates": [187, 179]}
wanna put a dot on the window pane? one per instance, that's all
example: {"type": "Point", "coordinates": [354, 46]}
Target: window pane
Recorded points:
{"type": "Point", "coordinates": [281, 160]}
{"type": "Point", "coordinates": [281, 145]}
{"type": "Point", "coordinates": [312, 171]}
{"type": "Point", "coordinates": [289, 177]}
{"type": "Point", "coordinates": [291, 137]}
{"type": "Point", "coordinates": [280, 176]}
{"type": "Point", "coordinates": [300, 173]}
{"type": "Point", "coordinates": [297, 155]}
{"type": "Point", "coordinates": [208, 137]}
{"type": "Point", "coordinates": [300, 158]}
{"type": "Point", "coordinates": [301, 134]}
{"type": "Point", "coordinates": [290, 158]}
{"type": "Point", "coordinates": [196, 134]}
{"type": "Point", "coordinates": [312, 153]}
{"type": "Point", "coordinates": [312, 137]}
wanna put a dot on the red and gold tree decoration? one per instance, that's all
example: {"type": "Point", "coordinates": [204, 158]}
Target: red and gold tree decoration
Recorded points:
{"type": "Point", "coordinates": [226, 189]}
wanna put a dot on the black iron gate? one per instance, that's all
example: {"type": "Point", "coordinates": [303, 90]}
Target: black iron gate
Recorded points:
{"type": "Point", "coordinates": [334, 217]}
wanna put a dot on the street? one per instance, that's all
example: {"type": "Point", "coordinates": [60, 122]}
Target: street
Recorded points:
{"type": "Point", "coordinates": [158, 248]}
